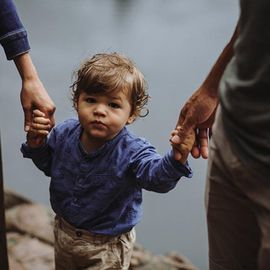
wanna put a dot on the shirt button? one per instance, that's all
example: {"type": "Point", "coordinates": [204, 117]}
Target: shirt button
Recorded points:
{"type": "Point", "coordinates": [75, 200]}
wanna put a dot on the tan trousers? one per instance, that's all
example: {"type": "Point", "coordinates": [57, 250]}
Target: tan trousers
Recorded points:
{"type": "Point", "coordinates": [79, 249]}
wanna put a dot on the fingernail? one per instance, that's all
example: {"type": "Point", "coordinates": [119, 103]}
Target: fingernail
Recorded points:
{"type": "Point", "coordinates": [26, 128]}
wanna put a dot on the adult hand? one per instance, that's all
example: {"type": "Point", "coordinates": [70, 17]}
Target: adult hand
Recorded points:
{"type": "Point", "coordinates": [199, 111]}
{"type": "Point", "coordinates": [197, 114]}
{"type": "Point", "coordinates": [184, 147]}
{"type": "Point", "coordinates": [39, 129]}
{"type": "Point", "coordinates": [33, 94]}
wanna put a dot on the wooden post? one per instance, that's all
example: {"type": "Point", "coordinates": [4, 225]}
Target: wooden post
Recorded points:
{"type": "Point", "coordinates": [3, 239]}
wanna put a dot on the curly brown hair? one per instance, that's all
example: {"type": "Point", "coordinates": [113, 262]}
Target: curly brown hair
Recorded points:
{"type": "Point", "coordinates": [108, 72]}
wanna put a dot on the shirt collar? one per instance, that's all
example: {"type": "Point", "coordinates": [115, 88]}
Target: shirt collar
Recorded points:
{"type": "Point", "coordinates": [104, 148]}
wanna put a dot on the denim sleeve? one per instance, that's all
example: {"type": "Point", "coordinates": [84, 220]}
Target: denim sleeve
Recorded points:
{"type": "Point", "coordinates": [13, 36]}
{"type": "Point", "coordinates": [42, 156]}
{"type": "Point", "coordinates": [155, 172]}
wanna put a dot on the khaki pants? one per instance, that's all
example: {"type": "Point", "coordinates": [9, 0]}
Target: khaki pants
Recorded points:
{"type": "Point", "coordinates": [238, 209]}
{"type": "Point", "coordinates": [79, 249]}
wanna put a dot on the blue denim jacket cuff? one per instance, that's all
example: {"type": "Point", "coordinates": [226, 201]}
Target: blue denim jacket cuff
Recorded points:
{"type": "Point", "coordinates": [15, 43]}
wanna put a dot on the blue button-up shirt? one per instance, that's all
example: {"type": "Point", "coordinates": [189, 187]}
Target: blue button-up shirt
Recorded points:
{"type": "Point", "coordinates": [13, 36]}
{"type": "Point", "coordinates": [102, 191]}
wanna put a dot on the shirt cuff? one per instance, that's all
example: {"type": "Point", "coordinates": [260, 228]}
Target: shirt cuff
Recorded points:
{"type": "Point", "coordinates": [15, 44]}
{"type": "Point", "coordinates": [183, 169]}
{"type": "Point", "coordinates": [29, 152]}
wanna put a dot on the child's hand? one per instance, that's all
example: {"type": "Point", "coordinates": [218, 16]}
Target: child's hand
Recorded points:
{"type": "Point", "coordinates": [185, 147]}
{"type": "Point", "coordinates": [39, 129]}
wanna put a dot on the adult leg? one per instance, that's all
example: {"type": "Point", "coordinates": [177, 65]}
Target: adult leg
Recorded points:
{"type": "Point", "coordinates": [3, 240]}
{"type": "Point", "coordinates": [264, 253]}
{"type": "Point", "coordinates": [233, 229]}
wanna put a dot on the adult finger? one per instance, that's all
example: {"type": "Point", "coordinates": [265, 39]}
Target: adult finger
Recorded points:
{"type": "Point", "coordinates": [203, 142]}
{"type": "Point", "coordinates": [195, 151]}
{"type": "Point", "coordinates": [52, 121]}
{"type": "Point", "coordinates": [27, 119]}
{"type": "Point", "coordinates": [50, 113]}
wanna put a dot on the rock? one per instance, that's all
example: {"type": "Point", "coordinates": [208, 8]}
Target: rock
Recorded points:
{"type": "Point", "coordinates": [33, 219]}
{"type": "Point", "coordinates": [12, 198]}
{"type": "Point", "coordinates": [29, 253]}
{"type": "Point", "coordinates": [144, 260]}
{"type": "Point", "coordinates": [30, 240]}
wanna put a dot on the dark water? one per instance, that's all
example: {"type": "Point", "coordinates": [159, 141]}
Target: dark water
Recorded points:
{"type": "Point", "coordinates": [174, 42]}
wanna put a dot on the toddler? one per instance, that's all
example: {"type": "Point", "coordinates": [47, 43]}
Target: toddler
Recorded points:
{"type": "Point", "coordinates": [98, 168]}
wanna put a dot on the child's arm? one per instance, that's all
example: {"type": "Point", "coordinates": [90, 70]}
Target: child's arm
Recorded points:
{"type": "Point", "coordinates": [185, 147]}
{"type": "Point", "coordinates": [155, 172]}
{"type": "Point", "coordinates": [39, 129]}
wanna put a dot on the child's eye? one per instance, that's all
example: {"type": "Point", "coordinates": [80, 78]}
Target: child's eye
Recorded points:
{"type": "Point", "coordinates": [90, 100]}
{"type": "Point", "coordinates": [114, 105]}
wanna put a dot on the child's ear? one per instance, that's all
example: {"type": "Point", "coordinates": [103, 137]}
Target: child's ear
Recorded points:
{"type": "Point", "coordinates": [131, 119]}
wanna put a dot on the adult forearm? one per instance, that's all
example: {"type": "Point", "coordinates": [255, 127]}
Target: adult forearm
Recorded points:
{"type": "Point", "coordinates": [198, 112]}
{"type": "Point", "coordinates": [212, 80]}
{"type": "Point", "coordinates": [33, 93]}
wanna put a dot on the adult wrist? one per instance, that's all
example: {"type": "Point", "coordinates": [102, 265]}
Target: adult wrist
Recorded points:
{"type": "Point", "coordinates": [26, 67]}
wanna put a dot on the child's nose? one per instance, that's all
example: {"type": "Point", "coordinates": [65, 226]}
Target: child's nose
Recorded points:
{"type": "Point", "coordinates": [100, 109]}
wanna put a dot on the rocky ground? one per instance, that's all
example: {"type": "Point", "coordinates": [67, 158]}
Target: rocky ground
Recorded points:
{"type": "Point", "coordinates": [30, 240]}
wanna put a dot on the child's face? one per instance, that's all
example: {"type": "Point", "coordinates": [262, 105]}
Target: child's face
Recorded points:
{"type": "Point", "coordinates": [102, 116]}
